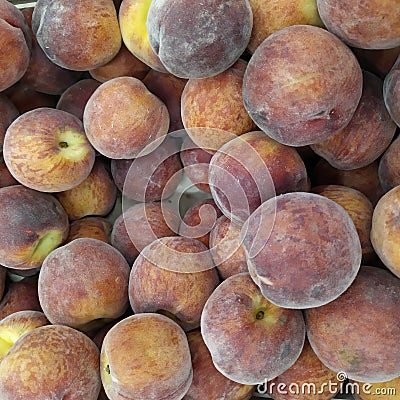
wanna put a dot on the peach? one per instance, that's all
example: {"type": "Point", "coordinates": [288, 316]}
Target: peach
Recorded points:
{"type": "Point", "coordinates": [195, 161]}
{"type": "Point", "coordinates": [306, 379]}
{"type": "Point", "coordinates": [360, 209]}
{"type": "Point", "coordinates": [365, 354]}
{"type": "Point", "coordinates": [90, 227]}
{"type": "Point", "coordinates": [175, 276]}
{"type": "Point", "coordinates": [17, 324]}
{"type": "Point", "coordinates": [75, 97]}
{"type": "Point", "coordinates": [389, 166]}
{"type": "Point", "coordinates": [226, 248]}
{"type": "Point", "coordinates": [391, 91]}
{"type": "Point", "coordinates": [366, 136]}
{"type": "Point", "coordinates": [96, 195]}
{"type": "Point", "coordinates": [19, 296]}
{"type": "Point", "coordinates": [360, 24]}
{"type": "Point", "coordinates": [199, 40]}
{"type": "Point", "coordinates": [96, 290]}
{"type": "Point", "coordinates": [296, 95]}
{"type": "Point", "coordinates": [132, 19]}
{"type": "Point", "coordinates": [216, 103]}
{"type": "Point", "coordinates": [248, 170]}
{"type": "Point", "coordinates": [141, 224]}
{"type": "Point", "coordinates": [123, 64]}
{"type": "Point", "coordinates": [47, 150]}
{"type": "Point", "coordinates": [152, 177]}
{"type": "Point", "coordinates": [77, 35]}
{"type": "Point", "coordinates": [15, 46]}
{"type": "Point", "coordinates": [385, 231]}
{"type": "Point", "coordinates": [250, 339]}
{"type": "Point", "coordinates": [168, 88]}
{"type": "Point", "coordinates": [8, 113]}
{"type": "Point", "coordinates": [32, 225]}
{"type": "Point", "coordinates": [207, 381]}
{"type": "Point", "coordinates": [199, 219]}
{"type": "Point", "coordinates": [270, 16]}
{"type": "Point", "coordinates": [124, 110]}
{"type": "Point", "coordinates": [302, 249]}
{"type": "Point", "coordinates": [59, 361]}
{"type": "Point", "coordinates": [155, 349]}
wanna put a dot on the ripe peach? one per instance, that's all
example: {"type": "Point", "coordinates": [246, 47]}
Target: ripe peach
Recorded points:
{"type": "Point", "coordinates": [199, 40]}
{"type": "Point", "coordinates": [32, 225]}
{"type": "Point", "coordinates": [302, 249]}
{"type": "Point", "coordinates": [124, 110]}
{"type": "Point", "coordinates": [95, 291]}
{"type": "Point", "coordinates": [250, 339]}
{"type": "Point", "coordinates": [391, 91]}
{"type": "Point", "coordinates": [74, 98]}
{"type": "Point", "coordinates": [75, 34]}
{"type": "Point", "coordinates": [141, 224]}
{"type": "Point", "coordinates": [47, 150]}
{"type": "Point", "coordinates": [59, 361]}
{"type": "Point", "coordinates": [366, 136]}
{"type": "Point", "coordinates": [365, 354]}
{"type": "Point", "coordinates": [226, 248]}
{"type": "Point", "coordinates": [156, 349]}
{"type": "Point", "coordinates": [175, 276]}
{"type": "Point", "coordinates": [360, 24]}
{"type": "Point", "coordinates": [90, 227]}
{"type": "Point", "coordinates": [96, 195]}
{"type": "Point", "coordinates": [385, 231]}
{"type": "Point", "coordinates": [207, 381]}
{"type": "Point", "coordinates": [293, 93]}
{"type": "Point", "coordinates": [389, 166]}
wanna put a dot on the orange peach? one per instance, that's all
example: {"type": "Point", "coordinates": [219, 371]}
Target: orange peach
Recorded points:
{"type": "Point", "coordinates": [91, 227]}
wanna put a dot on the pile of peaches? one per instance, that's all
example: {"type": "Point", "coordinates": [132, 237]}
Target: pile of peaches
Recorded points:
{"type": "Point", "coordinates": [199, 198]}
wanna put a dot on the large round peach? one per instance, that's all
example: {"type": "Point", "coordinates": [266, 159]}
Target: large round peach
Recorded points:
{"type": "Point", "coordinates": [302, 85]}
{"type": "Point", "coordinates": [199, 40]}
{"type": "Point", "coordinates": [146, 356]}
{"type": "Point", "coordinates": [250, 339]}
{"type": "Point", "coordinates": [391, 91]}
{"type": "Point", "coordinates": [173, 275]}
{"type": "Point", "coordinates": [366, 136]}
{"type": "Point", "coordinates": [217, 103]}
{"type": "Point", "coordinates": [302, 249]}
{"type": "Point", "coordinates": [359, 24]}
{"type": "Point", "coordinates": [77, 35]}
{"type": "Point", "coordinates": [385, 231]}
{"type": "Point", "coordinates": [32, 225]}
{"type": "Point", "coordinates": [207, 381]}
{"type": "Point", "coordinates": [96, 195]}
{"type": "Point", "coordinates": [123, 119]}
{"type": "Point", "coordinates": [84, 284]}
{"type": "Point", "coordinates": [58, 360]}
{"type": "Point", "coordinates": [340, 332]}
{"type": "Point", "coordinates": [47, 150]}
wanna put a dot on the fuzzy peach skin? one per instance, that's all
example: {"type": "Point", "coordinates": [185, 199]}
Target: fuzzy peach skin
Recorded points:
{"type": "Point", "coordinates": [32, 225]}
{"type": "Point", "coordinates": [366, 354]}
{"type": "Point", "coordinates": [96, 195]}
{"type": "Point", "coordinates": [15, 46]}
{"type": "Point", "coordinates": [47, 150]}
{"type": "Point", "coordinates": [146, 356]}
{"type": "Point", "coordinates": [124, 110]}
{"type": "Point", "coordinates": [52, 361]}
{"type": "Point", "coordinates": [96, 290]}
{"type": "Point", "coordinates": [360, 23]}
{"type": "Point", "coordinates": [207, 381]}
{"type": "Point", "coordinates": [164, 279]}
{"type": "Point", "coordinates": [76, 34]}
{"type": "Point", "coordinates": [91, 227]}
{"type": "Point", "coordinates": [302, 85]}
{"type": "Point", "coordinates": [17, 324]}
{"type": "Point", "coordinates": [199, 40]}
{"type": "Point", "coordinates": [368, 134]}
{"type": "Point", "coordinates": [250, 339]}
{"type": "Point", "coordinates": [385, 231]}
{"type": "Point", "coordinates": [302, 249]}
